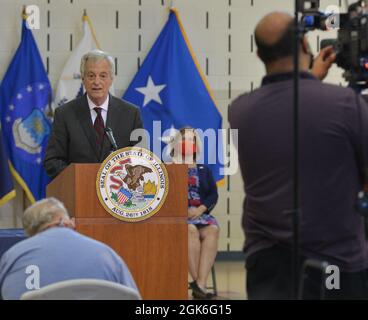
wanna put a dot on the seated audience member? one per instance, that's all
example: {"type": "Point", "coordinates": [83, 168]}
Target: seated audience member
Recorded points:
{"type": "Point", "coordinates": [203, 229]}
{"type": "Point", "coordinates": [55, 252]}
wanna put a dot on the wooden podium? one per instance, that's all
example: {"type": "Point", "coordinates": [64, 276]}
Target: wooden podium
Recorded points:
{"type": "Point", "coordinates": [155, 250]}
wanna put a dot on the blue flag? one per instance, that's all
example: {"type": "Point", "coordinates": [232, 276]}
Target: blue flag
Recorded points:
{"type": "Point", "coordinates": [24, 95]}
{"type": "Point", "coordinates": [169, 87]}
{"type": "Point", "coordinates": [7, 191]}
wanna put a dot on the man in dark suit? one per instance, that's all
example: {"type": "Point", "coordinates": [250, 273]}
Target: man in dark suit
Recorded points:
{"type": "Point", "coordinates": [78, 130]}
{"type": "Point", "coordinates": [330, 145]}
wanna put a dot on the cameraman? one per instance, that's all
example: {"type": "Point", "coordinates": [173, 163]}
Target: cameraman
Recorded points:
{"type": "Point", "coordinates": [330, 163]}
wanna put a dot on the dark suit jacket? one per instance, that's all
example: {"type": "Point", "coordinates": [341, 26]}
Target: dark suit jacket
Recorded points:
{"type": "Point", "coordinates": [207, 187]}
{"type": "Point", "coordinates": [73, 138]}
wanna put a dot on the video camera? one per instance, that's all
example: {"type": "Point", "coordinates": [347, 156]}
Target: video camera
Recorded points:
{"type": "Point", "coordinates": [351, 45]}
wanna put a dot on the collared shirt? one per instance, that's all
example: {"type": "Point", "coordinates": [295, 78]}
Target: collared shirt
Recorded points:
{"type": "Point", "coordinates": [59, 254]}
{"type": "Point", "coordinates": [104, 107]}
{"type": "Point", "coordinates": [279, 77]}
{"type": "Point", "coordinates": [330, 143]}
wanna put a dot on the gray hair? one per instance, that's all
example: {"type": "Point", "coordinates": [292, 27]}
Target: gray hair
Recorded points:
{"type": "Point", "coordinates": [97, 55]}
{"type": "Point", "coordinates": [41, 213]}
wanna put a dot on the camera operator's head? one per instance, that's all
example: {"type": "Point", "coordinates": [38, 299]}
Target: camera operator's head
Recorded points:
{"type": "Point", "coordinates": [274, 39]}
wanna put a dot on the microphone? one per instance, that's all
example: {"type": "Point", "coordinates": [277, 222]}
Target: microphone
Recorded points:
{"type": "Point", "coordinates": [111, 138]}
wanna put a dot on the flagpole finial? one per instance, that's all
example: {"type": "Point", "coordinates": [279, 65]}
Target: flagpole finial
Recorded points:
{"type": "Point", "coordinates": [84, 17]}
{"type": "Point", "coordinates": [172, 5]}
{"type": "Point", "coordinates": [24, 14]}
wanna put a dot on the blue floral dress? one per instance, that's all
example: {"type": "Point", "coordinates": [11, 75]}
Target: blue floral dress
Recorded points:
{"type": "Point", "coordinates": [194, 200]}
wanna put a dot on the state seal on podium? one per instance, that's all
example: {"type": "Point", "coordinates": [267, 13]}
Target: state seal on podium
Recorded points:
{"type": "Point", "coordinates": [132, 184]}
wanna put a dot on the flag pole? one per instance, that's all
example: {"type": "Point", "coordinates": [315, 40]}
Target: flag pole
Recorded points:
{"type": "Point", "coordinates": [25, 195]}
{"type": "Point", "coordinates": [24, 13]}
{"type": "Point", "coordinates": [86, 18]}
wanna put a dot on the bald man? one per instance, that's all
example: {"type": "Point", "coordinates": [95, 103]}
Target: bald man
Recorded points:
{"type": "Point", "coordinates": [273, 36]}
{"type": "Point", "coordinates": [330, 178]}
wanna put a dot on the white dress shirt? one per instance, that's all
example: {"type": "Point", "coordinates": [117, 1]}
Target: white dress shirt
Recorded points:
{"type": "Point", "coordinates": [104, 108]}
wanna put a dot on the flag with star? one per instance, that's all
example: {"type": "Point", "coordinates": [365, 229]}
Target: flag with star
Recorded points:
{"type": "Point", "coordinates": [24, 95]}
{"type": "Point", "coordinates": [169, 87]}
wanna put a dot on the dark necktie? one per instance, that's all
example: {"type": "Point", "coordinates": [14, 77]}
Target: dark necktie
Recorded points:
{"type": "Point", "coordinates": [99, 127]}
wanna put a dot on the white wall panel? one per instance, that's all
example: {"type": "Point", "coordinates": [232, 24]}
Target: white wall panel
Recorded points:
{"type": "Point", "coordinates": [220, 32]}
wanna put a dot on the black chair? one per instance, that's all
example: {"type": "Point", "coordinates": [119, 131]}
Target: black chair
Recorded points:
{"type": "Point", "coordinates": [214, 283]}
{"type": "Point", "coordinates": [213, 287]}
{"type": "Point", "coordinates": [319, 265]}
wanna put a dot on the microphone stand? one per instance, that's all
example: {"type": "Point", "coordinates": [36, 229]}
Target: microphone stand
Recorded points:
{"type": "Point", "coordinates": [110, 136]}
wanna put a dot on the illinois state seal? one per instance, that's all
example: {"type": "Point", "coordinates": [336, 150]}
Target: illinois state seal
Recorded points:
{"type": "Point", "coordinates": [132, 184]}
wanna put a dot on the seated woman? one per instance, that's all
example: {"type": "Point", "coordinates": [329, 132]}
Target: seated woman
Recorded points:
{"type": "Point", "coordinates": [203, 229]}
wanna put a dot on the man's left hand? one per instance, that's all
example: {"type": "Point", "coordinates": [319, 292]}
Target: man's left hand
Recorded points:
{"type": "Point", "coordinates": [322, 63]}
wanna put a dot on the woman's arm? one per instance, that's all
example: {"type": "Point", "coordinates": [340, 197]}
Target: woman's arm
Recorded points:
{"type": "Point", "coordinates": [210, 196]}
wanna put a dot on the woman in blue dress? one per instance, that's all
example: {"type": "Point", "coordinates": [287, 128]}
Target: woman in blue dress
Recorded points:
{"type": "Point", "coordinates": [203, 229]}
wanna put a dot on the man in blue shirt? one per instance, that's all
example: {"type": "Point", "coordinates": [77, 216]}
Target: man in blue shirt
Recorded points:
{"type": "Point", "coordinates": [55, 252]}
